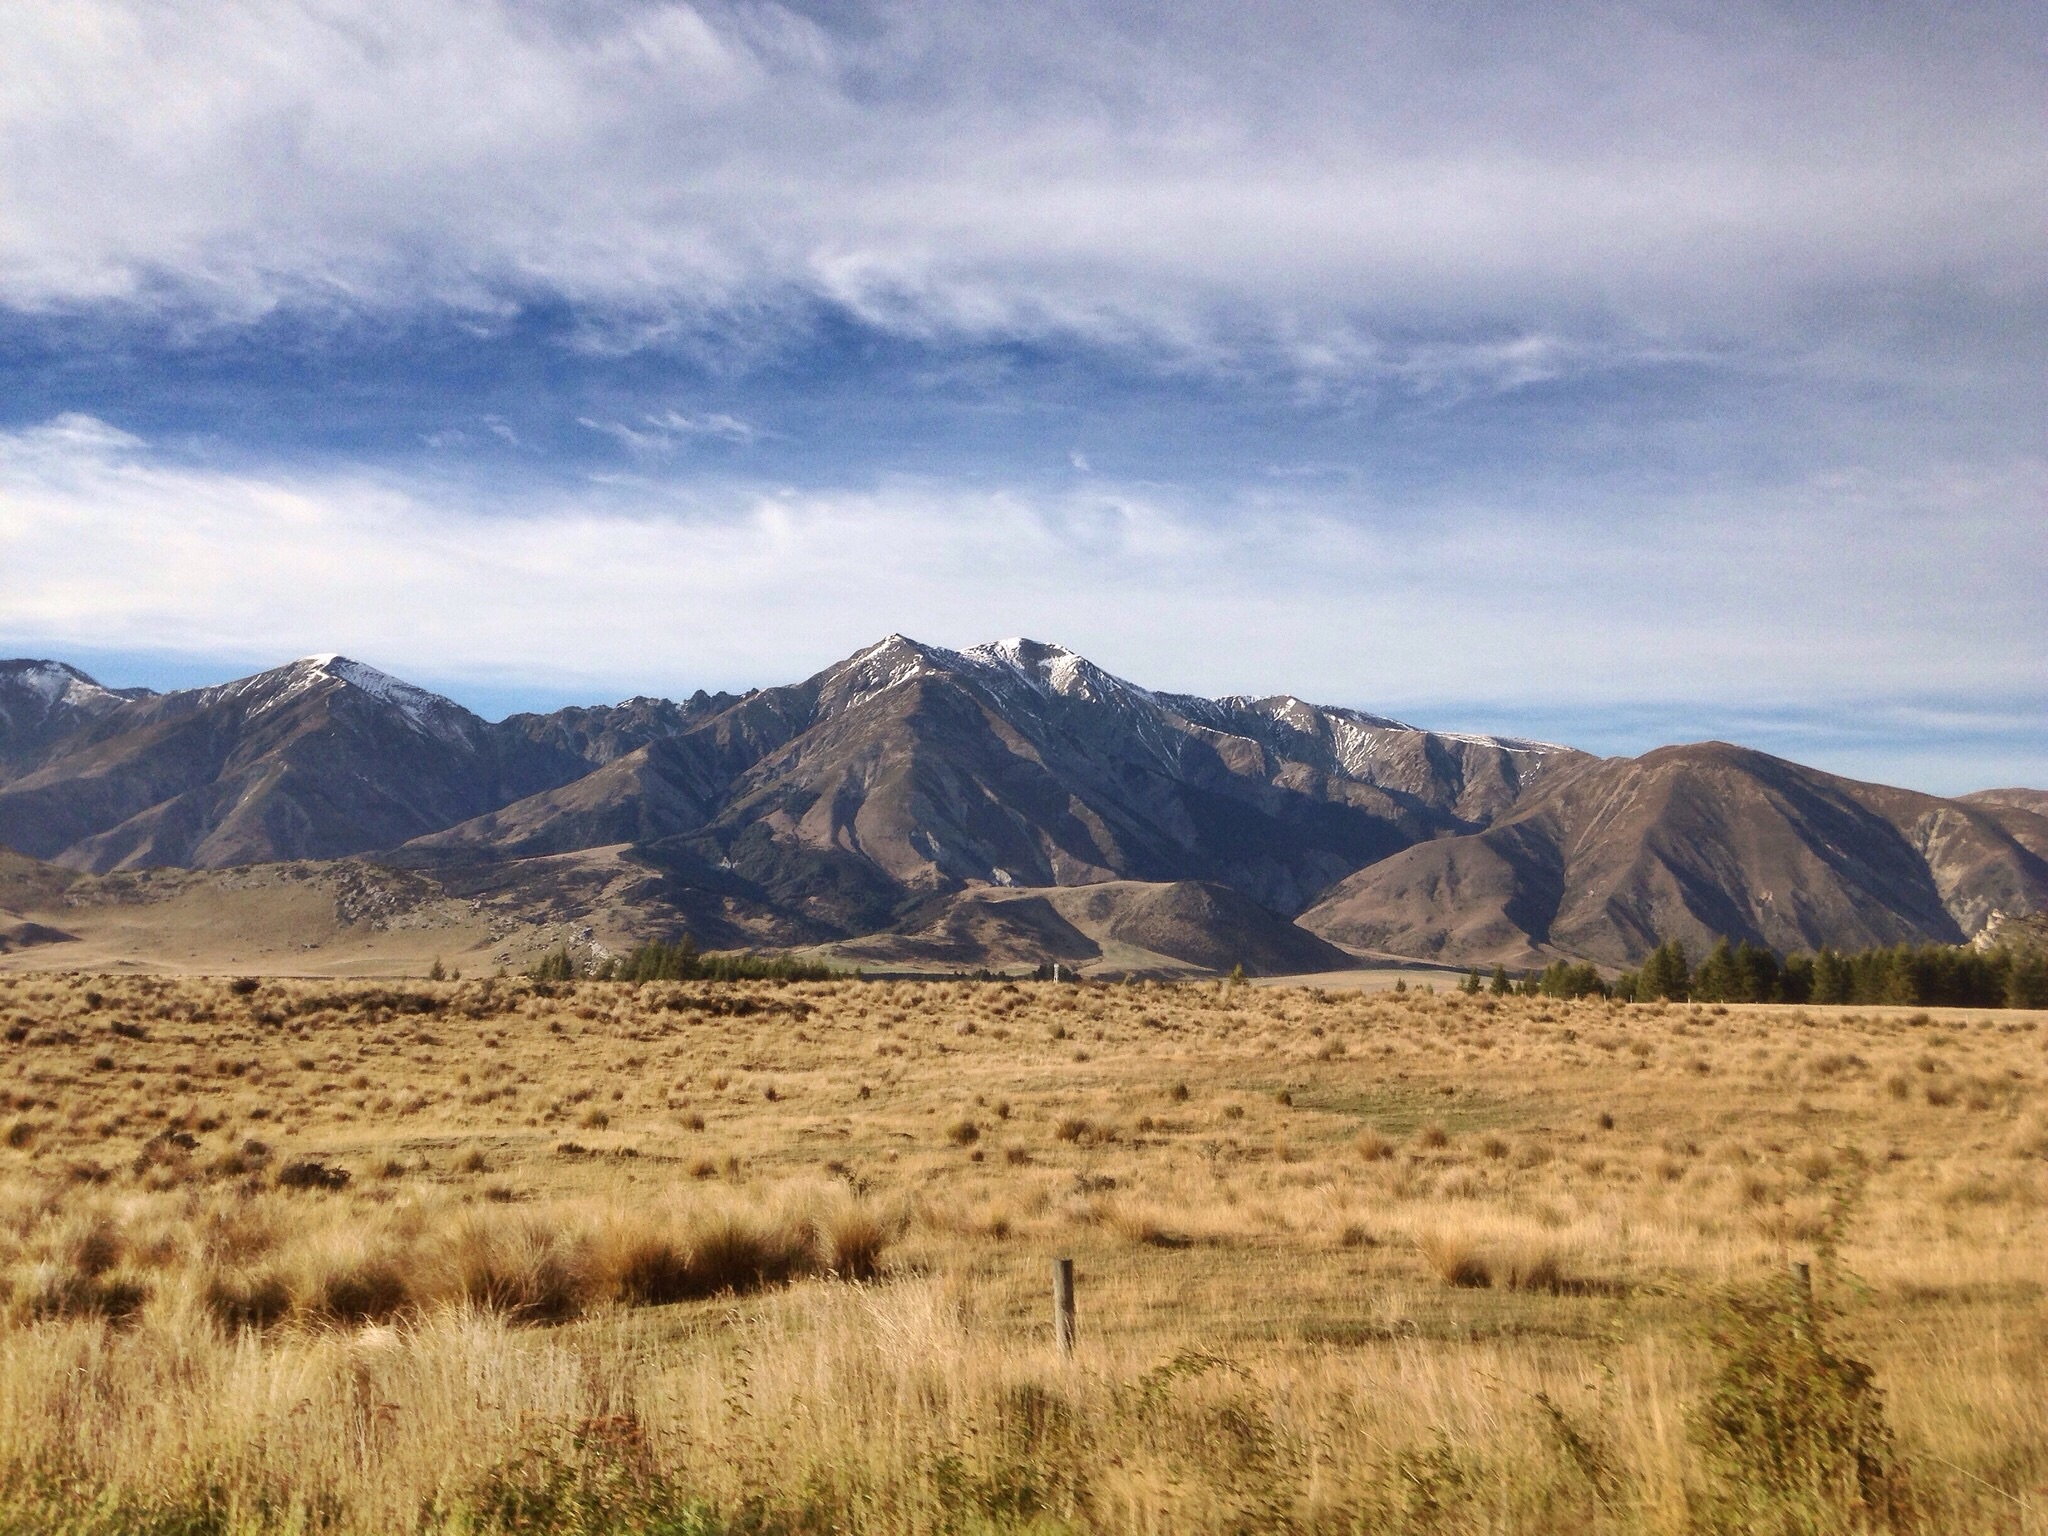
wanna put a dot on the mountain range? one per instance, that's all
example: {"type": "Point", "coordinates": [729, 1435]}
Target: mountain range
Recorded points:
{"type": "Point", "coordinates": [913, 804]}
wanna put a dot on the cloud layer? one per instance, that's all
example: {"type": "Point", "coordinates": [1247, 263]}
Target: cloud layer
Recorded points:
{"type": "Point", "coordinates": [1164, 174]}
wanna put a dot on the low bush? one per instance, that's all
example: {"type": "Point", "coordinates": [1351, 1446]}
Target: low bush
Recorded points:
{"type": "Point", "coordinates": [1794, 1433]}
{"type": "Point", "coordinates": [309, 1174]}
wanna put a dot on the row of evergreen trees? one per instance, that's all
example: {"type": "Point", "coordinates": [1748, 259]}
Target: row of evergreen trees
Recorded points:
{"type": "Point", "coordinates": [678, 961]}
{"type": "Point", "coordinates": [1931, 975]}
{"type": "Point", "coordinates": [1927, 975]}
{"type": "Point", "coordinates": [1559, 979]}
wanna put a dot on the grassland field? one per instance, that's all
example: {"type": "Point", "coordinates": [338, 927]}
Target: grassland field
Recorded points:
{"type": "Point", "coordinates": [484, 1255]}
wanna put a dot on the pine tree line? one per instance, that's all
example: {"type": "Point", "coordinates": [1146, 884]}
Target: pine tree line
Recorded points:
{"type": "Point", "coordinates": [1924, 975]}
{"type": "Point", "coordinates": [1927, 975]}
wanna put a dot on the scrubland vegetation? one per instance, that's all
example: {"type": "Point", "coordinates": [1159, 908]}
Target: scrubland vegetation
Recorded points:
{"type": "Point", "coordinates": [748, 1256]}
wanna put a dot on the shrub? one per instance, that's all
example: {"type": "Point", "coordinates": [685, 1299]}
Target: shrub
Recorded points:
{"type": "Point", "coordinates": [650, 1269]}
{"type": "Point", "coordinates": [1538, 1270]}
{"type": "Point", "coordinates": [731, 1254]}
{"type": "Point", "coordinates": [519, 1268]}
{"type": "Point", "coordinates": [1794, 1434]}
{"type": "Point", "coordinates": [309, 1174]}
{"type": "Point", "coordinates": [77, 1293]}
{"type": "Point", "coordinates": [362, 1291]}
{"type": "Point", "coordinates": [247, 1300]}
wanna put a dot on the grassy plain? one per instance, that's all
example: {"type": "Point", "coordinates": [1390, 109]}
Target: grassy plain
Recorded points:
{"type": "Point", "coordinates": [704, 1258]}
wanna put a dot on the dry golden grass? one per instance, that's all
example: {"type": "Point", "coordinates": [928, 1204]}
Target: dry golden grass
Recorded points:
{"type": "Point", "coordinates": [476, 1256]}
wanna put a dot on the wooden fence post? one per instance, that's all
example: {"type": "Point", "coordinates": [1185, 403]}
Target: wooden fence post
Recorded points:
{"type": "Point", "coordinates": [1063, 1305]}
{"type": "Point", "coordinates": [1802, 1300]}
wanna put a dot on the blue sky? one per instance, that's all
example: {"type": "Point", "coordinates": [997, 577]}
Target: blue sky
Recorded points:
{"type": "Point", "coordinates": [1644, 374]}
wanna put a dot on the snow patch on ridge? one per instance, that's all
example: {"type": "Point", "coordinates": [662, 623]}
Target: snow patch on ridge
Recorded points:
{"type": "Point", "coordinates": [428, 713]}
{"type": "Point", "coordinates": [1024, 676]}
{"type": "Point", "coordinates": [1053, 669]}
{"type": "Point", "coordinates": [53, 683]}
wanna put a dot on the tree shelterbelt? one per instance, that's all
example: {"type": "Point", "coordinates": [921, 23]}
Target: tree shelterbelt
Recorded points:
{"type": "Point", "coordinates": [1934, 975]}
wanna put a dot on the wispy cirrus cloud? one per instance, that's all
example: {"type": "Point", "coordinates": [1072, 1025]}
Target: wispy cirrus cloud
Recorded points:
{"type": "Point", "coordinates": [659, 435]}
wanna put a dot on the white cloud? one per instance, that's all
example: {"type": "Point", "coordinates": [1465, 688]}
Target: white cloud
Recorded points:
{"type": "Point", "coordinates": [1130, 176]}
{"type": "Point", "coordinates": [658, 435]}
{"type": "Point", "coordinates": [1798, 598]}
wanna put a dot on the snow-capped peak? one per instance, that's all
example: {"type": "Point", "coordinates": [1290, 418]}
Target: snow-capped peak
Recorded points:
{"type": "Point", "coordinates": [1052, 668]}
{"type": "Point", "coordinates": [428, 713]}
{"type": "Point", "coordinates": [887, 664]}
{"type": "Point", "coordinates": [53, 681]}
{"type": "Point", "coordinates": [36, 694]}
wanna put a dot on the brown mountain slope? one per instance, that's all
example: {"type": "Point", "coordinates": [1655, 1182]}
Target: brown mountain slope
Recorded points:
{"type": "Point", "coordinates": [652, 792]}
{"type": "Point", "coordinates": [318, 759]}
{"type": "Point", "coordinates": [822, 809]}
{"type": "Point", "coordinates": [1119, 927]}
{"type": "Point", "coordinates": [908, 770]}
{"type": "Point", "coordinates": [2034, 800]}
{"type": "Point", "coordinates": [42, 701]}
{"type": "Point", "coordinates": [1693, 843]}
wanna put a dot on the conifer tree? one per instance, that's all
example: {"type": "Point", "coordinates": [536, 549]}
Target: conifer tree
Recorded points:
{"type": "Point", "coordinates": [1832, 981]}
{"type": "Point", "coordinates": [1666, 976]}
{"type": "Point", "coordinates": [1717, 980]}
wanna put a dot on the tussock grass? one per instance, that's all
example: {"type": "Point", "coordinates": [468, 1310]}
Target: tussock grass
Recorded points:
{"type": "Point", "coordinates": [481, 1256]}
{"type": "Point", "coordinates": [1455, 1259]}
{"type": "Point", "coordinates": [252, 1265]}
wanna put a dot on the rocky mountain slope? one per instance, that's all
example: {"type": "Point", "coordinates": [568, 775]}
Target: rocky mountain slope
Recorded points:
{"type": "Point", "coordinates": [1696, 843]}
{"type": "Point", "coordinates": [1124, 927]}
{"type": "Point", "coordinates": [950, 801]}
{"type": "Point", "coordinates": [908, 770]}
{"type": "Point", "coordinates": [42, 702]}
{"type": "Point", "coordinates": [318, 759]}
{"type": "Point", "coordinates": [2035, 800]}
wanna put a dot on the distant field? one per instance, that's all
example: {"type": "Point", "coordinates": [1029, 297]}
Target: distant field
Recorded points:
{"type": "Point", "coordinates": [341, 918]}
{"type": "Point", "coordinates": [479, 1256]}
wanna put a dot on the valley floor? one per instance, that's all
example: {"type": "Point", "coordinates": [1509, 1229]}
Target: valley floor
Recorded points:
{"type": "Point", "coordinates": [478, 1256]}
